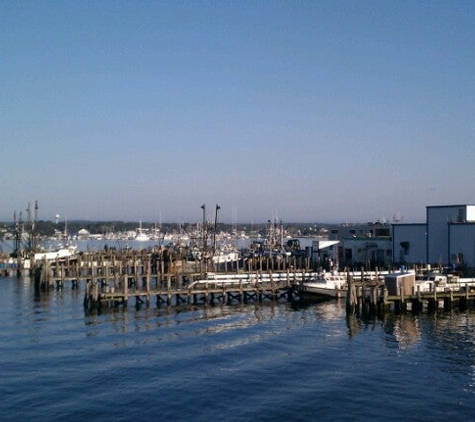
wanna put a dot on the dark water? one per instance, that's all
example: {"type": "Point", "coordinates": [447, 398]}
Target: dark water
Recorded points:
{"type": "Point", "coordinates": [268, 362]}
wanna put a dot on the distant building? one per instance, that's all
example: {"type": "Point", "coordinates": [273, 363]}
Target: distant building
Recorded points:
{"type": "Point", "coordinates": [376, 229]}
{"type": "Point", "coordinates": [368, 252]}
{"type": "Point", "coordinates": [361, 245]}
{"type": "Point", "coordinates": [83, 234]}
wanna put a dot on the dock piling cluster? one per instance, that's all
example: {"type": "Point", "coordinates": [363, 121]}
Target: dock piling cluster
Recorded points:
{"type": "Point", "coordinates": [112, 278]}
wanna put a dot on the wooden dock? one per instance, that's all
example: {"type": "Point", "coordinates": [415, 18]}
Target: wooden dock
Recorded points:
{"type": "Point", "coordinates": [203, 292]}
{"type": "Point", "coordinates": [447, 300]}
{"type": "Point", "coordinates": [111, 279]}
{"type": "Point", "coordinates": [373, 297]}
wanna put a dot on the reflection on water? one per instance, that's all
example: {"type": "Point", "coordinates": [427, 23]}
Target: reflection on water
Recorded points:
{"type": "Point", "coordinates": [403, 330]}
{"type": "Point", "coordinates": [454, 329]}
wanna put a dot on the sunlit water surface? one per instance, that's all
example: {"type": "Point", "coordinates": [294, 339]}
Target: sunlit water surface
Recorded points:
{"type": "Point", "coordinates": [243, 362]}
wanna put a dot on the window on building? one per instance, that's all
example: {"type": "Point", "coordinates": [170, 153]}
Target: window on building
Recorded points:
{"type": "Point", "coordinates": [405, 247]}
{"type": "Point", "coordinates": [382, 232]}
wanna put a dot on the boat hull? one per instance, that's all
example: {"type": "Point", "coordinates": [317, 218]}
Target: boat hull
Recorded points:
{"type": "Point", "coordinates": [317, 289]}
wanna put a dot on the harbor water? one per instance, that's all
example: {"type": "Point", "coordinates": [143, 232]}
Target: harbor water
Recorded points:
{"type": "Point", "coordinates": [269, 361]}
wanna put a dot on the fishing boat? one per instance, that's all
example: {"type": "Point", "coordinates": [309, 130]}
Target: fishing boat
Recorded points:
{"type": "Point", "coordinates": [325, 284]}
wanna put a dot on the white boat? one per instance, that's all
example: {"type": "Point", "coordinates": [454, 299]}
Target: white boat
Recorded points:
{"type": "Point", "coordinates": [253, 279]}
{"type": "Point", "coordinates": [324, 285]}
{"type": "Point", "coordinates": [223, 257]}
{"type": "Point", "coordinates": [438, 282]}
{"type": "Point", "coordinates": [57, 254]}
{"type": "Point", "coordinates": [142, 235]}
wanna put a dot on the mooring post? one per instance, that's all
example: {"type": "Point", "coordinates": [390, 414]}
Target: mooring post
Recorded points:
{"type": "Point", "coordinates": [401, 293]}
{"type": "Point", "coordinates": [95, 294]}
{"type": "Point", "coordinates": [374, 297]}
{"type": "Point", "coordinates": [149, 269]}
{"type": "Point", "coordinates": [225, 295]}
{"type": "Point", "coordinates": [351, 294]}
{"type": "Point", "coordinates": [463, 301]}
{"type": "Point", "coordinates": [169, 289]}
{"type": "Point", "coordinates": [418, 302]}
{"type": "Point", "coordinates": [136, 273]}
{"type": "Point", "coordinates": [18, 265]}
{"type": "Point", "coordinates": [126, 286]}
{"type": "Point", "coordinates": [385, 297]}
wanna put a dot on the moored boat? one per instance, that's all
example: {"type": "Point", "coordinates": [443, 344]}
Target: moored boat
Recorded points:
{"type": "Point", "coordinates": [57, 254]}
{"type": "Point", "coordinates": [331, 285]}
{"type": "Point", "coordinates": [142, 235]}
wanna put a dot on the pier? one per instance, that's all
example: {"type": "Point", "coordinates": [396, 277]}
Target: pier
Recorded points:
{"type": "Point", "coordinates": [446, 300]}
{"type": "Point", "coordinates": [115, 277]}
{"type": "Point", "coordinates": [373, 297]}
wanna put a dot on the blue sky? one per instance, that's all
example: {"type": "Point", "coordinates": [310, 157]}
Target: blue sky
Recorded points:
{"type": "Point", "coordinates": [318, 111]}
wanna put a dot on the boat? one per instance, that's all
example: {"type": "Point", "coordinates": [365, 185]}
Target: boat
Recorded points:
{"type": "Point", "coordinates": [142, 235]}
{"type": "Point", "coordinates": [63, 251]}
{"type": "Point", "coordinates": [224, 257]}
{"type": "Point", "coordinates": [325, 284]}
{"type": "Point", "coordinates": [59, 254]}
{"type": "Point", "coordinates": [244, 279]}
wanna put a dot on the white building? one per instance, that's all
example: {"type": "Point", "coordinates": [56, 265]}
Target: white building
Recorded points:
{"type": "Point", "coordinates": [83, 234]}
{"type": "Point", "coordinates": [462, 244]}
{"type": "Point", "coordinates": [447, 238]}
{"type": "Point", "coordinates": [369, 252]}
{"type": "Point", "coordinates": [438, 220]}
{"type": "Point", "coordinates": [409, 243]}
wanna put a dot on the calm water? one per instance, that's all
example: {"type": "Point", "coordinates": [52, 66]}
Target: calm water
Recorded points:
{"type": "Point", "coordinates": [268, 362]}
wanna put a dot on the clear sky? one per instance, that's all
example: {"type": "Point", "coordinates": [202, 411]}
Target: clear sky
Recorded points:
{"type": "Point", "coordinates": [318, 111]}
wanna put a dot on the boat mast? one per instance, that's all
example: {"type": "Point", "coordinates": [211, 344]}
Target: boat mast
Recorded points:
{"type": "Point", "coordinates": [35, 219]}
{"type": "Point", "coordinates": [203, 230]}
{"type": "Point", "coordinates": [18, 231]}
{"type": "Point", "coordinates": [65, 235]}
{"type": "Point", "coordinates": [215, 226]}
{"type": "Point", "coordinates": [32, 218]}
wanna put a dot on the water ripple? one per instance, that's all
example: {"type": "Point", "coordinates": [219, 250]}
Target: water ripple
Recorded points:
{"type": "Point", "coordinates": [266, 362]}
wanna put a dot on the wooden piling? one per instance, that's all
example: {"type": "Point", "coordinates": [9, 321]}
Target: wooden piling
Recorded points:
{"type": "Point", "coordinates": [351, 296]}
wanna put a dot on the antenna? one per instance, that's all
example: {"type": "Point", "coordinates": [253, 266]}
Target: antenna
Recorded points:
{"type": "Point", "coordinates": [398, 217]}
